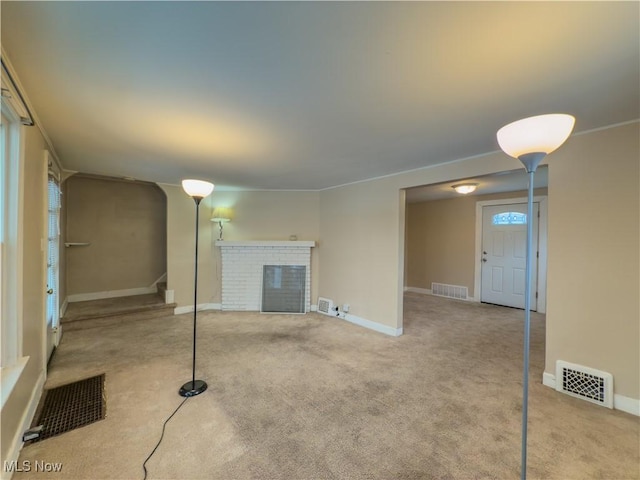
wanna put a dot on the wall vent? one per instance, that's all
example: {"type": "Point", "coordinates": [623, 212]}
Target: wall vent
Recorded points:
{"type": "Point", "coordinates": [325, 306]}
{"type": "Point", "coordinates": [586, 383]}
{"type": "Point", "coordinates": [451, 291]}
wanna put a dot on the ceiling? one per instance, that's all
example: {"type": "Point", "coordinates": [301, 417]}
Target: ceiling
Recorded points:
{"type": "Point", "coordinates": [511, 181]}
{"type": "Point", "coordinates": [310, 95]}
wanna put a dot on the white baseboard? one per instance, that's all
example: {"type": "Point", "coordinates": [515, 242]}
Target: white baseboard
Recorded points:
{"type": "Point", "coordinates": [82, 297]}
{"type": "Point", "coordinates": [314, 308]}
{"type": "Point", "coordinates": [27, 418]}
{"type": "Point", "coordinates": [549, 380]}
{"type": "Point", "coordinates": [620, 402]}
{"type": "Point", "coordinates": [626, 404]}
{"type": "Point", "coordinates": [378, 327]}
{"type": "Point", "coordinates": [424, 291]}
{"type": "Point", "coordinates": [169, 296]}
{"type": "Point", "coordinates": [200, 307]}
{"type": "Point", "coordinates": [63, 308]}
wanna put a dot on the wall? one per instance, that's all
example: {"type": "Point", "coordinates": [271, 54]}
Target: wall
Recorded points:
{"type": "Point", "coordinates": [362, 232]}
{"type": "Point", "coordinates": [125, 224]}
{"type": "Point", "coordinates": [593, 313]}
{"type": "Point", "coordinates": [441, 238]}
{"type": "Point", "coordinates": [258, 215]}
{"type": "Point", "coordinates": [21, 403]}
{"type": "Point", "coordinates": [362, 227]}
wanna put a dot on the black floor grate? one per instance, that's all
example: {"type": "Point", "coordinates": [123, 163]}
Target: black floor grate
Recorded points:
{"type": "Point", "coordinates": [72, 406]}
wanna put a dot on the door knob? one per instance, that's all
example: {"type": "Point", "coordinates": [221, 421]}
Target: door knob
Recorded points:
{"type": "Point", "coordinates": [484, 259]}
{"type": "Point", "coordinates": [50, 291]}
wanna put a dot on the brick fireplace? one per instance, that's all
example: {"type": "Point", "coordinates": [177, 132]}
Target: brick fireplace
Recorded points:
{"type": "Point", "coordinates": [242, 269]}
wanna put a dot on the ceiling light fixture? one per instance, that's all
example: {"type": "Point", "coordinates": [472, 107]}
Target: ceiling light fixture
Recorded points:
{"type": "Point", "coordinates": [465, 188]}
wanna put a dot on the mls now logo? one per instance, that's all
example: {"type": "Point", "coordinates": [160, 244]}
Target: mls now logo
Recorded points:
{"type": "Point", "coordinates": [29, 466]}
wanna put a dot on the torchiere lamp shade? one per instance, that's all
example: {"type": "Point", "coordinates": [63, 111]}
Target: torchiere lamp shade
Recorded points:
{"type": "Point", "coordinates": [539, 134]}
{"type": "Point", "coordinates": [197, 188]}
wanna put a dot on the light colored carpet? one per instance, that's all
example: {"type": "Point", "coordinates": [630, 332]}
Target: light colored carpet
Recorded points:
{"type": "Point", "coordinates": [312, 397]}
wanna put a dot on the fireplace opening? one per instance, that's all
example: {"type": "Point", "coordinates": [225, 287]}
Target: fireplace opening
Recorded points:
{"type": "Point", "coordinates": [283, 288]}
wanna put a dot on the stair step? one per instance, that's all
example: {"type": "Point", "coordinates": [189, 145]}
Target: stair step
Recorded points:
{"type": "Point", "coordinates": [113, 311]}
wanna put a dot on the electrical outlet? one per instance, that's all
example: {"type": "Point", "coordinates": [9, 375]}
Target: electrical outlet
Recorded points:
{"type": "Point", "coordinates": [345, 308]}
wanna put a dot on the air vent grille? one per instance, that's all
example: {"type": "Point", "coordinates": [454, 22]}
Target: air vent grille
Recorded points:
{"type": "Point", "coordinates": [325, 305]}
{"type": "Point", "coordinates": [451, 291]}
{"type": "Point", "coordinates": [586, 383]}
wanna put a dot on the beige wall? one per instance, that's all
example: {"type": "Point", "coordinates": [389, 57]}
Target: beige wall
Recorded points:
{"type": "Point", "coordinates": [440, 240]}
{"type": "Point", "coordinates": [592, 243]}
{"type": "Point", "coordinates": [34, 280]}
{"type": "Point", "coordinates": [125, 224]}
{"type": "Point", "coordinates": [258, 215]}
{"type": "Point", "coordinates": [593, 313]}
{"type": "Point", "coordinates": [362, 231]}
{"type": "Point", "coordinates": [360, 254]}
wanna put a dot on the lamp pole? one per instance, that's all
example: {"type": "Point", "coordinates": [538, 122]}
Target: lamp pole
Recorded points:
{"type": "Point", "coordinates": [530, 140]}
{"type": "Point", "coordinates": [196, 189]}
{"type": "Point", "coordinates": [530, 162]}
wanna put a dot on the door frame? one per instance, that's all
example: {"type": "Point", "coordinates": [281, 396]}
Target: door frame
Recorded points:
{"type": "Point", "coordinates": [541, 286]}
{"type": "Point", "coordinates": [49, 167]}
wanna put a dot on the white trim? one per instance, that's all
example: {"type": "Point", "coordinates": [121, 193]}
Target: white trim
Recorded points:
{"type": "Point", "coordinates": [549, 380]}
{"type": "Point", "coordinates": [314, 308]}
{"type": "Point", "coordinates": [378, 327]}
{"type": "Point", "coordinates": [27, 417]}
{"type": "Point", "coordinates": [44, 249]}
{"type": "Point", "coordinates": [162, 278]}
{"type": "Point", "coordinates": [9, 377]}
{"type": "Point", "coordinates": [541, 286]}
{"type": "Point", "coordinates": [424, 291]}
{"type": "Point", "coordinates": [81, 297]}
{"type": "Point", "coordinates": [169, 296]}
{"type": "Point", "coordinates": [626, 404]}
{"type": "Point", "coordinates": [266, 243]}
{"type": "Point", "coordinates": [620, 402]}
{"type": "Point", "coordinates": [63, 308]}
{"type": "Point", "coordinates": [200, 307]}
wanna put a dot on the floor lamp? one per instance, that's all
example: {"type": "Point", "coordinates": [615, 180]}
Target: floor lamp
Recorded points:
{"type": "Point", "coordinates": [529, 140]}
{"type": "Point", "coordinates": [196, 189]}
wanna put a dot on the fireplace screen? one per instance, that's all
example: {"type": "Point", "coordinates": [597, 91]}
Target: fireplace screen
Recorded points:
{"type": "Point", "coordinates": [283, 288]}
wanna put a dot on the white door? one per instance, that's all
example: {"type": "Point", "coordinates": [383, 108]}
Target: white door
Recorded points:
{"type": "Point", "coordinates": [53, 263]}
{"type": "Point", "coordinates": [504, 250]}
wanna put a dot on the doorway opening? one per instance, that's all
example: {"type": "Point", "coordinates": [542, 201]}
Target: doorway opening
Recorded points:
{"type": "Point", "coordinates": [443, 235]}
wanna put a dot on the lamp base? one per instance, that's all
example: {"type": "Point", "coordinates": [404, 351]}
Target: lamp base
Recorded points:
{"type": "Point", "coordinates": [191, 389]}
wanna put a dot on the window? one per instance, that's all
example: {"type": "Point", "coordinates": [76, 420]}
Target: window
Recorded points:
{"type": "Point", "coordinates": [509, 218]}
{"type": "Point", "coordinates": [11, 361]}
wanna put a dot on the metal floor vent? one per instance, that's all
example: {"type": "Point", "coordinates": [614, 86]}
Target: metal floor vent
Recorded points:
{"type": "Point", "coordinates": [325, 306]}
{"type": "Point", "coordinates": [450, 291]}
{"type": "Point", "coordinates": [586, 383]}
{"type": "Point", "coordinates": [72, 406]}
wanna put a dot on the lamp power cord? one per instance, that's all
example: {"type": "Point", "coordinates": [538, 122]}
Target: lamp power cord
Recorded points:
{"type": "Point", "coordinates": [164, 425]}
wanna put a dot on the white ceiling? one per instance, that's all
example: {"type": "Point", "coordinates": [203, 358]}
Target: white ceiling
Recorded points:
{"type": "Point", "coordinates": [309, 95]}
{"type": "Point", "coordinates": [511, 181]}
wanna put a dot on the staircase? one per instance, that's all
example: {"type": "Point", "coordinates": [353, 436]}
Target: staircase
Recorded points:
{"type": "Point", "coordinates": [114, 311]}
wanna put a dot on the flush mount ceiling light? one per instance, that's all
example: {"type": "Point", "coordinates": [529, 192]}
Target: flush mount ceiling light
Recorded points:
{"type": "Point", "coordinates": [465, 188]}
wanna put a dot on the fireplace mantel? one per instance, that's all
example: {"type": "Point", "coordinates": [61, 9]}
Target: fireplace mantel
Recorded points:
{"type": "Point", "coordinates": [266, 243]}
